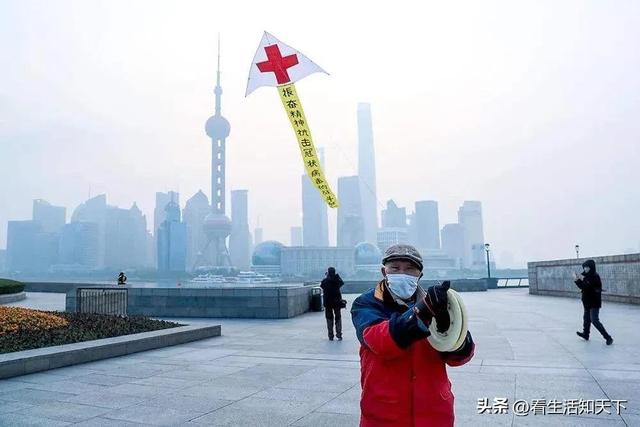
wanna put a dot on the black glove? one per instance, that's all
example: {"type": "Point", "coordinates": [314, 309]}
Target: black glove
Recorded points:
{"type": "Point", "coordinates": [436, 304]}
{"type": "Point", "coordinates": [405, 329]}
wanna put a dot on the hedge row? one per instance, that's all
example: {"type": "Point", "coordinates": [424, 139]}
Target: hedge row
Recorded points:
{"type": "Point", "coordinates": [18, 319]}
{"type": "Point", "coordinates": [8, 286]}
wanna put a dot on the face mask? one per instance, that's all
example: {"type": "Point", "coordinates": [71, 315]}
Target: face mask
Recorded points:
{"type": "Point", "coordinates": [586, 270]}
{"type": "Point", "coordinates": [402, 286]}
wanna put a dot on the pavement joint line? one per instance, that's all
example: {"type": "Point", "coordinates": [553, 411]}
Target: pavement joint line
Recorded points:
{"type": "Point", "coordinates": [214, 410]}
{"type": "Point", "coordinates": [246, 397]}
{"type": "Point", "coordinates": [605, 393]}
{"type": "Point", "coordinates": [559, 342]}
{"type": "Point", "coordinates": [617, 369]}
{"type": "Point", "coordinates": [532, 366]}
{"type": "Point", "coordinates": [325, 403]}
{"type": "Point", "coordinates": [515, 396]}
{"type": "Point", "coordinates": [298, 358]}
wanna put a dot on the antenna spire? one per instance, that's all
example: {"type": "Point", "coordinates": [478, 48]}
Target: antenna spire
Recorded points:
{"type": "Point", "coordinates": [218, 76]}
{"type": "Point", "coordinates": [218, 89]}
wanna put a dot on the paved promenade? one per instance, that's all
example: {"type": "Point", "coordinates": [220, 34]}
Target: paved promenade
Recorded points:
{"type": "Point", "coordinates": [285, 372]}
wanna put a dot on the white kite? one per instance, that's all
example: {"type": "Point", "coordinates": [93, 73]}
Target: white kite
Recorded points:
{"type": "Point", "coordinates": [279, 65]}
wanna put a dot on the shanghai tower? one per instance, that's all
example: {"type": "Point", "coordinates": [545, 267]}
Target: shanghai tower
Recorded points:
{"type": "Point", "coordinates": [367, 173]}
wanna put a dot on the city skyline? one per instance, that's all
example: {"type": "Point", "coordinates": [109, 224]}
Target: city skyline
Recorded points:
{"type": "Point", "coordinates": [456, 132]}
{"type": "Point", "coordinates": [186, 225]}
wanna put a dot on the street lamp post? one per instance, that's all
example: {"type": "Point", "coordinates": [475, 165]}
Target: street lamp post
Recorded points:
{"type": "Point", "coordinates": [486, 248]}
{"type": "Point", "coordinates": [577, 251]}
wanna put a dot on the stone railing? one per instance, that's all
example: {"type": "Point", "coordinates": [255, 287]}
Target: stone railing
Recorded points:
{"type": "Point", "coordinates": [275, 302]}
{"type": "Point", "coordinates": [460, 285]}
{"type": "Point", "coordinates": [620, 277]}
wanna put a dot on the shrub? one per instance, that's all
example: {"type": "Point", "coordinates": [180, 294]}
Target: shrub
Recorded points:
{"type": "Point", "coordinates": [10, 286]}
{"type": "Point", "coordinates": [24, 329]}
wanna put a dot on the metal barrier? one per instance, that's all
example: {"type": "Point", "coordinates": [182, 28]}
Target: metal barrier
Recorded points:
{"type": "Point", "coordinates": [102, 301]}
{"type": "Point", "coordinates": [513, 282]}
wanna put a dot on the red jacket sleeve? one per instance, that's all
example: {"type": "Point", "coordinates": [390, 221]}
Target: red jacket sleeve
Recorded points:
{"type": "Point", "coordinates": [462, 355]}
{"type": "Point", "coordinates": [378, 339]}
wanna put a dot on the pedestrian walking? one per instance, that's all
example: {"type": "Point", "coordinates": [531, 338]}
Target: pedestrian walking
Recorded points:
{"type": "Point", "coordinates": [590, 285]}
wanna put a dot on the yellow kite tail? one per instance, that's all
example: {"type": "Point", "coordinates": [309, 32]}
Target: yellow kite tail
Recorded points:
{"type": "Point", "coordinates": [293, 107]}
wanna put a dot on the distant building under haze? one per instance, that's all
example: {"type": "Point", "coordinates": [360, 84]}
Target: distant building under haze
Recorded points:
{"type": "Point", "coordinates": [315, 223]}
{"type": "Point", "coordinates": [51, 218]}
{"type": "Point", "coordinates": [367, 173]}
{"type": "Point", "coordinates": [240, 238]}
{"type": "Point", "coordinates": [195, 211]}
{"type": "Point", "coordinates": [425, 225]}
{"type": "Point", "coordinates": [312, 262]}
{"type": "Point", "coordinates": [296, 236]}
{"type": "Point", "coordinates": [172, 241]}
{"type": "Point", "coordinates": [350, 227]}
{"type": "Point", "coordinates": [470, 218]}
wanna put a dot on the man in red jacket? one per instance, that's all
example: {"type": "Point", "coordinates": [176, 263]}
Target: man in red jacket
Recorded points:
{"type": "Point", "coordinates": [404, 380]}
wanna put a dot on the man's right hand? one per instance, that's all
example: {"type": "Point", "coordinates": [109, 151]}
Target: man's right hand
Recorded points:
{"type": "Point", "coordinates": [405, 328]}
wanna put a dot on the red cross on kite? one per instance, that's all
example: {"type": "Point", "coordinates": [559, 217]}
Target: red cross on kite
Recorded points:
{"type": "Point", "coordinates": [277, 64]}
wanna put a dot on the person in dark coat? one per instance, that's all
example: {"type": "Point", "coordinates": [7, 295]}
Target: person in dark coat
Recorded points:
{"type": "Point", "coordinates": [591, 286]}
{"type": "Point", "coordinates": [332, 300]}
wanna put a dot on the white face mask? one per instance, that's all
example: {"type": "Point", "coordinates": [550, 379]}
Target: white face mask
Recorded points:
{"type": "Point", "coordinates": [402, 286]}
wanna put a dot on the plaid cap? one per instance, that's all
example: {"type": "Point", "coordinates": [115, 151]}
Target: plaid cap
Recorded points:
{"type": "Point", "coordinates": [403, 252]}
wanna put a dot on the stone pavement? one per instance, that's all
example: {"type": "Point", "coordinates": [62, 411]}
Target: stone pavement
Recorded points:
{"type": "Point", "coordinates": [285, 372]}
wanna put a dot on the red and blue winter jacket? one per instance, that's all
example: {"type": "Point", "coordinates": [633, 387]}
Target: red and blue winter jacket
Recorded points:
{"type": "Point", "coordinates": [404, 380]}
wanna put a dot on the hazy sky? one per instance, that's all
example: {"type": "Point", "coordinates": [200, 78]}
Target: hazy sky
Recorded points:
{"type": "Point", "coordinates": [529, 106]}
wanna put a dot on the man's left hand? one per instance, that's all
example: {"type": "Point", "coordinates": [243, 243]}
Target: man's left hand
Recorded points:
{"type": "Point", "coordinates": [437, 303]}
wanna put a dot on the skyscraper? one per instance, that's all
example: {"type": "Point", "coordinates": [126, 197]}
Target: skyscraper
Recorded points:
{"type": "Point", "coordinates": [94, 210]}
{"type": "Point", "coordinates": [29, 247]}
{"type": "Point", "coordinates": [21, 244]}
{"type": "Point", "coordinates": [122, 233]}
{"type": "Point", "coordinates": [426, 225]}
{"type": "Point", "coordinates": [51, 218]}
{"type": "Point", "coordinates": [470, 218]}
{"type": "Point", "coordinates": [139, 238]}
{"type": "Point", "coordinates": [394, 216]}
{"type": "Point", "coordinates": [125, 238]}
{"type": "Point", "coordinates": [296, 236]}
{"type": "Point", "coordinates": [367, 173]}
{"type": "Point", "coordinates": [315, 222]}
{"type": "Point", "coordinates": [79, 244]}
{"type": "Point", "coordinates": [195, 211]}
{"type": "Point", "coordinates": [159, 213]}
{"type": "Point", "coordinates": [172, 241]}
{"type": "Point", "coordinates": [394, 228]}
{"type": "Point", "coordinates": [388, 236]}
{"type": "Point", "coordinates": [162, 200]}
{"type": "Point", "coordinates": [453, 242]}
{"type": "Point", "coordinates": [240, 239]}
{"type": "Point", "coordinates": [217, 226]}
{"type": "Point", "coordinates": [350, 225]}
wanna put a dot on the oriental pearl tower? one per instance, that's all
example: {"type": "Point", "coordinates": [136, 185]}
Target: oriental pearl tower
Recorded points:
{"type": "Point", "coordinates": [217, 226]}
